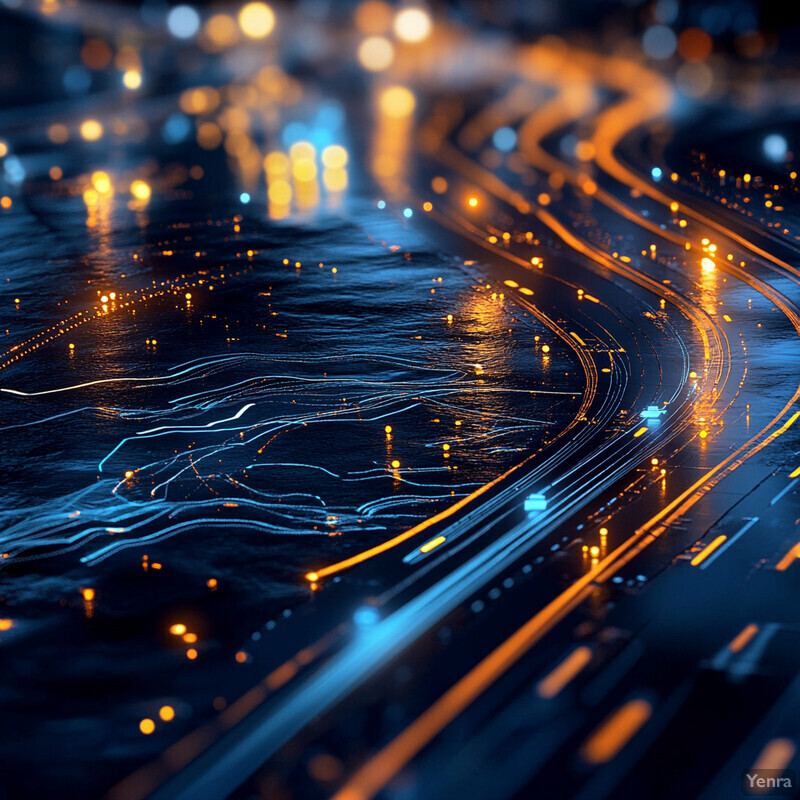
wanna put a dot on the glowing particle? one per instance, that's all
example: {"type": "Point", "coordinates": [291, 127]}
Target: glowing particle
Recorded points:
{"type": "Point", "coordinates": [594, 551]}
{"type": "Point", "coordinates": [102, 182]}
{"type": "Point", "coordinates": [775, 147]}
{"type": "Point", "coordinates": [707, 265]}
{"type": "Point", "coordinates": [140, 190]}
{"type": "Point", "coordinates": [381, 204]}
{"type": "Point", "coordinates": [445, 447]}
{"type": "Point", "coordinates": [472, 202]}
{"type": "Point", "coordinates": [545, 348]}
{"type": "Point", "coordinates": [654, 462]}
{"type": "Point", "coordinates": [334, 156]}
{"type": "Point", "coordinates": [191, 654]}
{"type": "Point", "coordinates": [449, 317]}
{"type": "Point", "coordinates": [88, 594]}
{"type": "Point", "coordinates": [395, 464]}
{"type": "Point", "coordinates": [504, 139]}
{"type": "Point", "coordinates": [427, 206]}
{"type": "Point", "coordinates": [256, 20]}
{"type": "Point", "coordinates": [131, 79]}
{"type": "Point", "coordinates": [659, 42]}
{"type": "Point", "coordinates": [221, 31]}
{"type": "Point", "coordinates": [388, 429]}
{"type": "Point", "coordinates": [147, 726]}
{"type": "Point", "coordinates": [6, 624]}
{"type": "Point", "coordinates": [91, 130]}
{"type": "Point", "coordinates": [412, 25]}
{"type": "Point", "coordinates": [211, 583]}
{"type": "Point", "coordinates": [397, 102]}
{"type": "Point", "coordinates": [279, 192]}
{"type": "Point", "coordinates": [408, 213]}
{"type": "Point", "coordinates": [5, 202]}
{"type": "Point", "coordinates": [242, 657]}
{"type": "Point", "coordinates": [71, 346]}
{"type": "Point", "coordinates": [58, 133]}
{"type": "Point", "coordinates": [375, 53]}
{"type": "Point", "coordinates": [244, 198]}
{"type": "Point", "coordinates": [183, 22]}
{"type": "Point", "coordinates": [128, 473]}
{"type": "Point", "coordinates": [188, 295]}
{"type": "Point", "coordinates": [177, 629]}
{"type": "Point", "coordinates": [167, 713]}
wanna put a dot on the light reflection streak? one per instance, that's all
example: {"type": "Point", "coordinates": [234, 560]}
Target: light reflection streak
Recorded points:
{"type": "Point", "coordinates": [158, 499]}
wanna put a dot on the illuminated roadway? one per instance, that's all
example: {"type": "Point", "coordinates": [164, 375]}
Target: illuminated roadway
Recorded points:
{"type": "Point", "coordinates": [604, 615]}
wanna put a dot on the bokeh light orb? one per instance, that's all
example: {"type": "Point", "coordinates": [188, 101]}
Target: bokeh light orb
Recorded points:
{"type": "Point", "coordinates": [412, 24]}
{"type": "Point", "coordinates": [132, 79]}
{"type": "Point", "coordinates": [91, 130]}
{"type": "Point", "coordinates": [256, 20]}
{"type": "Point", "coordinates": [659, 42]}
{"type": "Point", "coordinates": [140, 190]}
{"type": "Point", "coordinates": [373, 17]}
{"type": "Point", "coordinates": [375, 53]}
{"type": "Point", "coordinates": [397, 101]}
{"type": "Point", "coordinates": [775, 147]}
{"type": "Point", "coordinates": [334, 156]}
{"type": "Point", "coordinates": [504, 139]}
{"type": "Point", "coordinates": [183, 22]}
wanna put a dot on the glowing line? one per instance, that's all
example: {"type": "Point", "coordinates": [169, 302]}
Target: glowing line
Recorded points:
{"type": "Point", "coordinates": [177, 428]}
{"type": "Point", "coordinates": [433, 543]}
{"type": "Point", "coordinates": [616, 731]}
{"type": "Point", "coordinates": [704, 554]}
{"type": "Point", "coordinates": [553, 683]}
{"type": "Point", "coordinates": [742, 638]}
{"type": "Point", "coordinates": [788, 559]}
{"type": "Point", "coordinates": [98, 382]}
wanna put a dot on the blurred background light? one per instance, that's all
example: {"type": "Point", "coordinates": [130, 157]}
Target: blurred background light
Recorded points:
{"type": "Point", "coordinates": [659, 42]}
{"type": "Point", "coordinates": [375, 53]}
{"type": "Point", "coordinates": [504, 139]}
{"type": "Point", "coordinates": [412, 24]}
{"type": "Point", "coordinates": [775, 147]}
{"type": "Point", "coordinates": [256, 20]}
{"type": "Point", "coordinates": [183, 22]}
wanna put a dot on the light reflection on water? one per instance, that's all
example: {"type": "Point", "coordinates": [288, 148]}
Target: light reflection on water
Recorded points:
{"type": "Point", "coordinates": [213, 527]}
{"type": "Point", "coordinates": [268, 382]}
